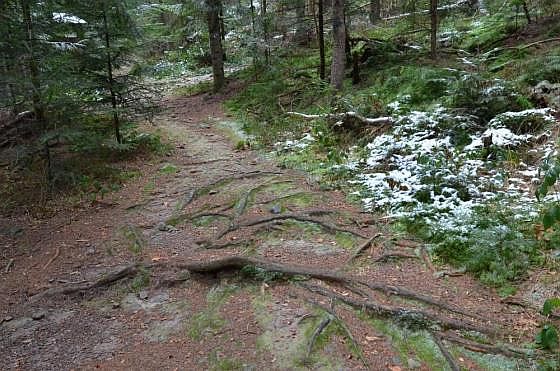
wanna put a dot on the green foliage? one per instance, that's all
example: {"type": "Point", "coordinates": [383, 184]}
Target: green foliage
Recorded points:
{"type": "Point", "coordinates": [535, 70]}
{"type": "Point", "coordinates": [550, 305]}
{"type": "Point", "coordinates": [547, 338]}
{"type": "Point", "coordinates": [490, 244]}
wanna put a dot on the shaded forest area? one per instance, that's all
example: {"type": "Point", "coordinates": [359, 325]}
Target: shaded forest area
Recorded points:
{"type": "Point", "coordinates": [438, 119]}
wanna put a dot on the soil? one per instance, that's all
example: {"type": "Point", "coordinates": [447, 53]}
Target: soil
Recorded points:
{"type": "Point", "coordinates": [198, 204]}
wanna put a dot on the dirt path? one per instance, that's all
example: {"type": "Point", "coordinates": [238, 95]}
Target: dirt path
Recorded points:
{"type": "Point", "coordinates": [207, 201]}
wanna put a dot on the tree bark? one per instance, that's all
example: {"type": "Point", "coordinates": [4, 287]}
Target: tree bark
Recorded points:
{"type": "Point", "coordinates": [339, 45]}
{"type": "Point", "coordinates": [216, 49]}
{"type": "Point", "coordinates": [321, 36]}
{"type": "Point", "coordinates": [265, 30]}
{"type": "Point", "coordinates": [110, 78]}
{"type": "Point", "coordinates": [434, 27]}
{"type": "Point", "coordinates": [301, 24]}
{"type": "Point", "coordinates": [374, 11]}
{"type": "Point", "coordinates": [32, 65]}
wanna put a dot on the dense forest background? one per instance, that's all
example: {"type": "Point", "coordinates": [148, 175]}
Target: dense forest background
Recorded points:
{"type": "Point", "coordinates": [439, 117]}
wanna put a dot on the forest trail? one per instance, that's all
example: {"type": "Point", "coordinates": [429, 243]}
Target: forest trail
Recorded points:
{"type": "Point", "coordinates": [205, 202]}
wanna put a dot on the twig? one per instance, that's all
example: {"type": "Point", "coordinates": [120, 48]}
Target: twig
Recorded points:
{"type": "Point", "coordinates": [363, 247]}
{"type": "Point", "coordinates": [9, 265]}
{"type": "Point", "coordinates": [56, 254]}
{"type": "Point", "coordinates": [448, 357]}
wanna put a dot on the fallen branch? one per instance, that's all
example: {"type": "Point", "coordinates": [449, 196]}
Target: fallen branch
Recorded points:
{"type": "Point", "coordinates": [56, 254]}
{"type": "Point", "coordinates": [344, 116]}
{"type": "Point", "coordinates": [448, 357]}
{"type": "Point", "coordinates": [9, 265]}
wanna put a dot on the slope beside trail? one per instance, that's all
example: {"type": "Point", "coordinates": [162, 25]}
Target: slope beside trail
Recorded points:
{"type": "Point", "coordinates": [216, 258]}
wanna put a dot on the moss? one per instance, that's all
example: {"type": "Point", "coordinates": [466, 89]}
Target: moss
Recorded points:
{"type": "Point", "coordinates": [209, 320]}
{"type": "Point", "coordinates": [133, 238]}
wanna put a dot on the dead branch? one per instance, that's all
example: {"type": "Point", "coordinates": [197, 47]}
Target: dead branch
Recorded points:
{"type": "Point", "coordinates": [363, 247]}
{"type": "Point", "coordinates": [9, 265]}
{"type": "Point", "coordinates": [448, 357]}
{"type": "Point", "coordinates": [56, 254]}
{"type": "Point", "coordinates": [344, 116]}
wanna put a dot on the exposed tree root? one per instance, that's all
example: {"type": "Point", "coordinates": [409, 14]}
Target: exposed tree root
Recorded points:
{"type": "Point", "coordinates": [290, 216]}
{"type": "Point", "coordinates": [281, 198]}
{"type": "Point", "coordinates": [238, 262]}
{"type": "Point", "coordinates": [334, 317]}
{"type": "Point", "coordinates": [103, 280]}
{"type": "Point", "coordinates": [362, 248]}
{"type": "Point", "coordinates": [394, 255]}
{"type": "Point", "coordinates": [318, 331]}
{"type": "Point", "coordinates": [56, 254]}
{"type": "Point", "coordinates": [411, 317]}
{"type": "Point", "coordinates": [486, 348]}
{"type": "Point", "coordinates": [448, 357]}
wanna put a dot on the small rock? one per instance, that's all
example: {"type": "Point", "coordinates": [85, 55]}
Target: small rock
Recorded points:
{"type": "Point", "coordinates": [115, 305]}
{"type": "Point", "coordinates": [90, 251]}
{"type": "Point", "coordinates": [39, 315]}
{"type": "Point", "coordinates": [143, 295]}
{"type": "Point", "coordinates": [276, 209]}
{"type": "Point", "coordinates": [8, 318]}
{"type": "Point", "coordinates": [213, 192]}
{"type": "Point", "coordinates": [413, 363]}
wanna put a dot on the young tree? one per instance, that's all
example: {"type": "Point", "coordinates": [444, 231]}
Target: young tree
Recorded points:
{"type": "Point", "coordinates": [434, 27]}
{"type": "Point", "coordinates": [339, 45]}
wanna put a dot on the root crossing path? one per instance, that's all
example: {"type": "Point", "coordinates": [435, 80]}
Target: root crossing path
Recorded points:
{"type": "Point", "coordinates": [216, 258]}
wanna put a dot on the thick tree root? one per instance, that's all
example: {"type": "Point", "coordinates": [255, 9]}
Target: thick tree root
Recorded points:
{"type": "Point", "coordinates": [411, 317]}
{"type": "Point", "coordinates": [305, 218]}
{"type": "Point", "coordinates": [318, 331]}
{"type": "Point", "coordinates": [486, 348]}
{"type": "Point", "coordinates": [394, 255]}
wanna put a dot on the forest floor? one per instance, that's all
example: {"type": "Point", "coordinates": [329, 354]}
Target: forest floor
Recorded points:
{"type": "Point", "coordinates": [142, 279]}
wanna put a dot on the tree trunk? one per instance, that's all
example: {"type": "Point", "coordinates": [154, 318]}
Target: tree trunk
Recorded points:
{"type": "Point", "coordinates": [301, 24]}
{"type": "Point", "coordinates": [265, 30]}
{"type": "Point", "coordinates": [321, 35]}
{"type": "Point", "coordinates": [374, 11]}
{"type": "Point", "coordinates": [339, 45]}
{"type": "Point", "coordinates": [32, 65]}
{"type": "Point", "coordinates": [216, 50]}
{"type": "Point", "coordinates": [434, 28]}
{"type": "Point", "coordinates": [526, 11]}
{"type": "Point", "coordinates": [110, 78]}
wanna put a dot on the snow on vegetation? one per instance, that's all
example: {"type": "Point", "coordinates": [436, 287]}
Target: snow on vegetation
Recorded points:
{"type": "Point", "coordinates": [67, 18]}
{"type": "Point", "coordinates": [422, 169]}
